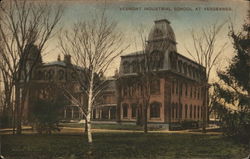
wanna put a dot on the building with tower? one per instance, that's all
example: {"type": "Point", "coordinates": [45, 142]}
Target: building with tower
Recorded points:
{"type": "Point", "coordinates": [177, 88]}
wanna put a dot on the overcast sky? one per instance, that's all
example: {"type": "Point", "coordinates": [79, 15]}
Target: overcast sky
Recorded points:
{"type": "Point", "coordinates": [194, 16]}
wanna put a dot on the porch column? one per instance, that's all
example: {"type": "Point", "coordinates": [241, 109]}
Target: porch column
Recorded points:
{"type": "Point", "coordinates": [79, 113]}
{"type": "Point", "coordinates": [109, 113]}
{"type": "Point", "coordinates": [72, 113]}
{"type": "Point", "coordinates": [65, 113]}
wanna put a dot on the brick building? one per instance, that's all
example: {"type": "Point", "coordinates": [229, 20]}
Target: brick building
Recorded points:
{"type": "Point", "coordinates": [177, 91]}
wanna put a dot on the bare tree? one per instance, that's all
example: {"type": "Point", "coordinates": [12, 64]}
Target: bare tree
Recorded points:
{"type": "Point", "coordinates": [25, 28]}
{"type": "Point", "coordinates": [93, 45]}
{"type": "Point", "coordinates": [206, 53]}
{"type": "Point", "coordinates": [148, 62]}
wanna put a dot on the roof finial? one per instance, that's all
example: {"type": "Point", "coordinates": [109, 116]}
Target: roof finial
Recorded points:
{"type": "Point", "coordinates": [59, 58]}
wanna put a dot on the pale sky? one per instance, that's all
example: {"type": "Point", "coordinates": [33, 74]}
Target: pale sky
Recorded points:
{"type": "Point", "coordinates": [182, 21]}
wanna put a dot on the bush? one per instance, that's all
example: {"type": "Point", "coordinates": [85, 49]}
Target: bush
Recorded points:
{"type": "Point", "coordinates": [46, 116]}
{"type": "Point", "coordinates": [189, 124]}
{"type": "Point", "coordinates": [237, 125]}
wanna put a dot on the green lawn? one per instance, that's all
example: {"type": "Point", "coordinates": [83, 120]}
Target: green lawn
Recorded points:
{"type": "Point", "coordinates": [122, 145]}
{"type": "Point", "coordinates": [104, 126]}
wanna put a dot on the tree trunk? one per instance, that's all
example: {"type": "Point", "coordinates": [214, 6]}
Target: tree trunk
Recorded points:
{"type": "Point", "coordinates": [204, 114]}
{"type": "Point", "coordinates": [18, 112]}
{"type": "Point", "coordinates": [90, 140]}
{"type": "Point", "coordinates": [86, 126]}
{"type": "Point", "coordinates": [145, 118]}
{"type": "Point", "coordinates": [13, 121]}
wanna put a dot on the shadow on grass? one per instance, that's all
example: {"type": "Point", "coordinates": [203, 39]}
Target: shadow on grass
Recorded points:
{"type": "Point", "coordinates": [121, 145]}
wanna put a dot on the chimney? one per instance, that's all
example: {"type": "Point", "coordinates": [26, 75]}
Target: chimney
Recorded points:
{"type": "Point", "coordinates": [67, 59]}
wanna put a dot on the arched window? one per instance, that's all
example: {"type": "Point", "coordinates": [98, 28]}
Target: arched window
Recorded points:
{"type": "Point", "coordinates": [180, 66]}
{"type": "Point", "coordinates": [157, 33]}
{"type": "Point", "coordinates": [125, 91]}
{"type": "Point", "coordinates": [134, 67]}
{"type": "Point", "coordinates": [134, 108]}
{"type": "Point", "coordinates": [185, 68]}
{"type": "Point", "coordinates": [39, 75]}
{"type": "Point", "coordinates": [126, 67]}
{"type": "Point", "coordinates": [61, 74]}
{"type": "Point", "coordinates": [125, 110]}
{"type": "Point", "coordinates": [155, 108]}
{"type": "Point", "coordinates": [142, 65]}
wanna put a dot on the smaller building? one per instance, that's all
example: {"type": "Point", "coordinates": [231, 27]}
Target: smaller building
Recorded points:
{"type": "Point", "coordinates": [106, 103]}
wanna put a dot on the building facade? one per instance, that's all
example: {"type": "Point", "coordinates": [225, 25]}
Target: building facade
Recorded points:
{"type": "Point", "coordinates": [49, 80]}
{"type": "Point", "coordinates": [106, 103]}
{"type": "Point", "coordinates": [177, 87]}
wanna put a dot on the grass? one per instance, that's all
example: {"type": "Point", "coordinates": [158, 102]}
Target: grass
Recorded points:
{"type": "Point", "coordinates": [104, 126]}
{"type": "Point", "coordinates": [122, 146]}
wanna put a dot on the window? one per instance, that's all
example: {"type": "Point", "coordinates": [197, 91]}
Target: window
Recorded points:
{"type": "Point", "coordinates": [134, 67]}
{"type": "Point", "coordinates": [176, 110]}
{"type": "Point", "coordinates": [157, 33]}
{"type": "Point", "coordinates": [143, 66]}
{"type": "Point", "coordinates": [194, 92]}
{"type": "Point", "coordinates": [173, 107]}
{"type": "Point", "coordinates": [125, 91]}
{"type": "Point", "coordinates": [194, 112]}
{"type": "Point", "coordinates": [185, 68]}
{"type": "Point", "coordinates": [186, 111]}
{"type": "Point", "coordinates": [173, 87]}
{"type": "Point", "coordinates": [126, 67]}
{"type": "Point", "coordinates": [198, 93]}
{"type": "Point", "coordinates": [186, 90]}
{"type": "Point", "coordinates": [180, 66]}
{"type": "Point", "coordinates": [180, 112]}
{"type": "Point", "coordinates": [191, 112]}
{"type": "Point", "coordinates": [134, 108]}
{"type": "Point", "coordinates": [191, 91]}
{"type": "Point", "coordinates": [60, 74]}
{"type": "Point", "coordinates": [198, 114]}
{"type": "Point", "coordinates": [176, 90]}
{"type": "Point", "coordinates": [155, 87]}
{"type": "Point", "coordinates": [155, 110]}
{"type": "Point", "coordinates": [181, 89]}
{"type": "Point", "coordinates": [125, 110]}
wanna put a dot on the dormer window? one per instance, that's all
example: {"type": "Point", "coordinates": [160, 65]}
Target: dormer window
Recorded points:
{"type": "Point", "coordinates": [158, 33]}
{"type": "Point", "coordinates": [126, 67]}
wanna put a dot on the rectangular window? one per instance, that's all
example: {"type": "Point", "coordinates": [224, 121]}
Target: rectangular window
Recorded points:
{"type": "Point", "coordinates": [155, 87]}
{"type": "Point", "coordinates": [125, 110]}
{"type": "Point", "coordinates": [155, 110]}
{"type": "Point", "coordinates": [177, 87]}
{"type": "Point", "coordinates": [186, 91]}
{"type": "Point", "coordinates": [180, 89]}
{"type": "Point", "coordinates": [186, 111]}
{"type": "Point", "coordinates": [194, 92]}
{"type": "Point", "coordinates": [134, 108]}
{"type": "Point", "coordinates": [191, 112]}
{"type": "Point", "coordinates": [173, 87]}
{"type": "Point", "coordinates": [191, 91]}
